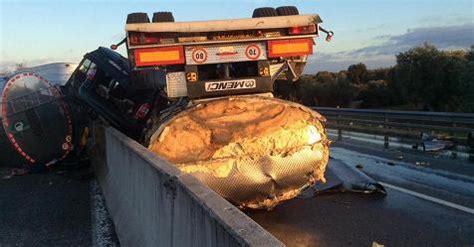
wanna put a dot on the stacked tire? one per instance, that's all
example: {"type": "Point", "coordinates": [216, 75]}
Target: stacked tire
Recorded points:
{"type": "Point", "coordinates": [140, 17]}
{"type": "Point", "coordinates": [280, 11]}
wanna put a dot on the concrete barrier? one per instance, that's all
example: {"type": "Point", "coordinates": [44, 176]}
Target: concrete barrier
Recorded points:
{"type": "Point", "coordinates": [153, 204]}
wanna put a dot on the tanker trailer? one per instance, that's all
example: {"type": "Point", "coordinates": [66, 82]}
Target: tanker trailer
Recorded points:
{"type": "Point", "coordinates": [36, 124]}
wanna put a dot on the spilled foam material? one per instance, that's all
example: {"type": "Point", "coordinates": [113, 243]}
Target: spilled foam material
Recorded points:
{"type": "Point", "coordinates": [254, 151]}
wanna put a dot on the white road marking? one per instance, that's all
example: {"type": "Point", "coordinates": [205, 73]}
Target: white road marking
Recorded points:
{"type": "Point", "coordinates": [430, 198]}
{"type": "Point", "coordinates": [101, 224]}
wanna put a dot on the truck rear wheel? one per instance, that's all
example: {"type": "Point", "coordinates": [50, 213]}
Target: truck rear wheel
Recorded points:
{"type": "Point", "coordinates": [287, 10]}
{"type": "Point", "coordinates": [163, 17]}
{"type": "Point", "coordinates": [137, 18]}
{"type": "Point", "coordinates": [264, 12]}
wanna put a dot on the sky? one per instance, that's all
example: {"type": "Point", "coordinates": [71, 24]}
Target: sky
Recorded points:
{"type": "Point", "coordinates": [368, 31]}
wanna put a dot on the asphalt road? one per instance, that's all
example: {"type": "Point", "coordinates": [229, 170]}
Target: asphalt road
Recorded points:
{"type": "Point", "coordinates": [420, 214]}
{"type": "Point", "coordinates": [63, 208]}
{"type": "Point", "coordinates": [56, 208]}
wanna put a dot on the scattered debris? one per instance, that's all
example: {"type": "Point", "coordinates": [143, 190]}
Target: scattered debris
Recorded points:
{"type": "Point", "coordinates": [422, 163]}
{"type": "Point", "coordinates": [20, 172]}
{"type": "Point", "coordinates": [431, 144]}
{"type": "Point", "coordinates": [342, 202]}
{"type": "Point", "coordinates": [368, 188]}
{"type": "Point", "coordinates": [454, 155]}
{"type": "Point", "coordinates": [375, 244]}
{"type": "Point", "coordinates": [341, 177]}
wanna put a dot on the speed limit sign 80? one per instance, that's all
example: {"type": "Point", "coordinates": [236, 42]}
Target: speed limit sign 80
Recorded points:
{"type": "Point", "coordinates": [199, 55]}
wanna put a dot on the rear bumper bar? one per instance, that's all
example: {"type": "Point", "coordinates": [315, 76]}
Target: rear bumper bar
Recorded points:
{"type": "Point", "coordinates": [226, 25]}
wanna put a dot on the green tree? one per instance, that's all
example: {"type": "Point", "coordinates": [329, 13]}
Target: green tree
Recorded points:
{"type": "Point", "coordinates": [325, 77]}
{"type": "Point", "coordinates": [467, 77]}
{"type": "Point", "coordinates": [375, 94]}
{"type": "Point", "coordinates": [429, 78]}
{"type": "Point", "coordinates": [357, 73]}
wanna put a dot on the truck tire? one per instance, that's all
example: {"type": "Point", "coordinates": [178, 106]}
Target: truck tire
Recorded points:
{"type": "Point", "coordinates": [287, 10]}
{"type": "Point", "coordinates": [264, 12]}
{"type": "Point", "coordinates": [163, 17]}
{"type": "Point", "coordinates": [137, 18]}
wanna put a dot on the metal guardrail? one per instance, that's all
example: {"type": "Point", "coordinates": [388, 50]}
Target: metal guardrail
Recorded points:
{"type": "Point", "coordinates": [405, 124]}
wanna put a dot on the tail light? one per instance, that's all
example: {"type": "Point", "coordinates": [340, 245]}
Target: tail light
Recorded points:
{"type": "Point", "coordinates": [290, 48]}
{"type": "Point", "coordinates": [303, 30]}
{"type": "Point", "coordinates": [143, 38]}
{"type": "Point", "coordinates": [159, 56]}
{"type": "Point", "coordinates": [142, 111]}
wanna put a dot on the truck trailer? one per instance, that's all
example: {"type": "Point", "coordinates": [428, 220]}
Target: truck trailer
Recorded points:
{"type": "Point", "coordinates": [200, 95]}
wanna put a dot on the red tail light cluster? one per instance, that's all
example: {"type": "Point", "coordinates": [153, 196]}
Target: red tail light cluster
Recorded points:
{"type": "Point", "coordinates": [142, 111]}
{"type": "Point", "coordinates": [143, 38]}
{"type": "Point", "coordinates": [303, 30]}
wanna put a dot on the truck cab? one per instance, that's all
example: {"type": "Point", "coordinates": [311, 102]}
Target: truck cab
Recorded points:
{"type": "Point", "coordinates": [102, 83]}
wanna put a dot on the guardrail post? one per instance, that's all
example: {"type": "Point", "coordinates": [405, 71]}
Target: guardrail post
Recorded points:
{"type": "Point", "coordinates": [385, 136]}
{"type": "Point", "coordinates": [451, 133]}
{"type": "Point", "coordinates": [339, 131]}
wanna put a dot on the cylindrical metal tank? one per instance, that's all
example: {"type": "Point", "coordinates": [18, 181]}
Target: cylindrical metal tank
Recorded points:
{"type": "Point", "coordinates": [36, 123]}
{"type": "Point", "coordinates": [6, 150]}
{"type": "Point", "coordinates": [56, 73]}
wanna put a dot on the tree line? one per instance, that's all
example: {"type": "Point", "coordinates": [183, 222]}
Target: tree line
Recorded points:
{"type": "Point", "coordinates": [423, 78]}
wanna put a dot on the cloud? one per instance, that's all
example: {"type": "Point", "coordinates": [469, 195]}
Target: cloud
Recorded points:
{"type": "Point", "coordinates": [9, 66]}
{"type": "Point", "coordinates": [383, 54]}
{"type": "Point", "coordinates": [338, 61]}
{"type": "Point", "coordinates": [442, 37]}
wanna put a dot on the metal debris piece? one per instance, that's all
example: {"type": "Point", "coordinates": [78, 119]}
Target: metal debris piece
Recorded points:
{"type": "Point", "coordinates": [422, 163]}
{"type": "Point", "coordinates": [375, 244]}
{"type": "Point", "coordinates": [342, 177]}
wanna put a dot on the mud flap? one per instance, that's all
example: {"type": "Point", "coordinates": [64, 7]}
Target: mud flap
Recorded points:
{"type": "Point", "coordinates": [341, 177]}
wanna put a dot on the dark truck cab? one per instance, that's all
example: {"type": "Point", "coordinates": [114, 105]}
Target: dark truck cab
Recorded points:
{"type": "Point", "coordinates": [104, 83]}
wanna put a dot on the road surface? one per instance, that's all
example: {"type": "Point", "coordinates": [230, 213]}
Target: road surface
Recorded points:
{"type": "Point", "coordinates": [426, 205]}
{"type": "Point", "coordinates": [55, 208]}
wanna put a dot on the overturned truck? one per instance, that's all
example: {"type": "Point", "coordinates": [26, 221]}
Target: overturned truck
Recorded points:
{"type": "Point", "coordinates": [200, 95]}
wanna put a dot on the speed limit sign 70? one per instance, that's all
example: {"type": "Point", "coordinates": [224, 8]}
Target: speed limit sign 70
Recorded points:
{"type": "Point", "coordinates": [253, 52]}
